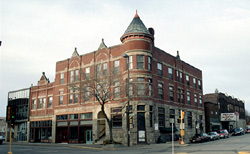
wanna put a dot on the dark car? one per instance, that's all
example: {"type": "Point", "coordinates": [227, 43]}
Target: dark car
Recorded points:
{"type": "Point", "coordinates": [1, 139]}
{"type": "Point", "coordinates": [214, 135]}
{"type": "Point", "coordinates": [223, 133]}
{"type": "Point", "coordinates": [238, 131]}
{"type": "Point", "coordinates": [200, 138]}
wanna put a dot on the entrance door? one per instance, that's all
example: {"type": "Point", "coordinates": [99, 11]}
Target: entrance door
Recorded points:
{"type": "Point", "coordinates": [89, 137]}
{"type": "Point", "coordinates": [64, 136]}
{"type": "Point", "coordinates": [141, 127]}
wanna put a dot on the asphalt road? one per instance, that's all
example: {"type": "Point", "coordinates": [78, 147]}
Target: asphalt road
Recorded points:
{"type": "Point", "coordinates": [232, 145]}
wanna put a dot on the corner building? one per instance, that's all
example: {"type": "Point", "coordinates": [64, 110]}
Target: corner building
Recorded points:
{"type": "Point", "coordinates": [164, 85]}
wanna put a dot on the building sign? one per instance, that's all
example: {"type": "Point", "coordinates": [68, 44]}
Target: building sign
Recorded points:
{"type": "Point", "coordinates": [229, 117]}
{"type": "Point", "coordinates": [141, 136]}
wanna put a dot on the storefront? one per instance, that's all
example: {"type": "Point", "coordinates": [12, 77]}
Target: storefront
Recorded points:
{"type": "Point", "coordinates": [74, 128]}
{"type": "Point", "coordinates": [41, 131]}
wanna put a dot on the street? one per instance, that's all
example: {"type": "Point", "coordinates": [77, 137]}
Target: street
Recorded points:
{"type": "Point", "coordinates": [232, 145]}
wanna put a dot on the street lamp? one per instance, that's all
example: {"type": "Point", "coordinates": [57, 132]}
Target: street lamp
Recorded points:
{"type": "Point", "coordinates": [128, 128]}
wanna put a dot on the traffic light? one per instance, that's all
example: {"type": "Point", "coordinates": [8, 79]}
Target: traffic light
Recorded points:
{"type": "Point", "coordinates": [182, 114]}
{"type": "Point", "coordinates": [8, 117]}
{"type": "Point", "coordinates": [13, 114]}
{"type": "Point", "coordinates": [130, 121]}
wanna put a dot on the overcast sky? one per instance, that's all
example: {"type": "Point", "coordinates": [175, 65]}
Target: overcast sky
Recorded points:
{"type": "Point", "coordinates": [213, 36]}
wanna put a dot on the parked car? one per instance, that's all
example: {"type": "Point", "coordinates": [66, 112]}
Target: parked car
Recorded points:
{"type": "Point", "coordinates": [223, 133]}
{"type": "Point", "coordinates": [247, 130]}
{"type": "Point", "coordinates": [214, 135]}
{"type": "Point", "coordinates": [238, 131]}
{"type": "Point", "coordinates": [1, 139]}
{"type": "Point", "coordinates": [200, 138]}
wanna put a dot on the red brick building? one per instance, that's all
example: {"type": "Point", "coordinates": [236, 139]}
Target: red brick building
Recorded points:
{"type": "Point", "coordinates": [165, 85]}
{"type": "Point", "coordinates": [216, 104]}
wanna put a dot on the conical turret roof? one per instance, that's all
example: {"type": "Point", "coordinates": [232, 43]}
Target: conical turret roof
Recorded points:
{"type": "Point", "coordinates": [136, 27]}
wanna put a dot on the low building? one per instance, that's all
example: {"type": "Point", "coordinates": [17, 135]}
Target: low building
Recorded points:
{"type": "Point", "coordinates": [223, 112]}
{"type": "Point", "coordinates": [19, 99]}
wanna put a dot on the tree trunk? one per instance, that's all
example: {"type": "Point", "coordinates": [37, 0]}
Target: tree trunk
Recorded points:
{"type": "Point", "coordinates": [109, 123]}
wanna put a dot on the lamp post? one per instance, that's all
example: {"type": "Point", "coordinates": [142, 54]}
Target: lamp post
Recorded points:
{"type": "Point", "coordinates": [128, 127]}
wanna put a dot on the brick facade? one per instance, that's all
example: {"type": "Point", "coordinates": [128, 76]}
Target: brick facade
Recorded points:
{"type": "Point", "coordinates": [47, 119]}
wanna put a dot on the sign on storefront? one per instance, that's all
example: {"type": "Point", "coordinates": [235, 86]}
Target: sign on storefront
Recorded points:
{"type": "Point", "coordinates": [229, 117]}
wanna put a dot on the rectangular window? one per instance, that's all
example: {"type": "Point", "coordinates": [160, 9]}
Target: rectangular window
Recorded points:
{"type": "Point", "coordinates": [189, 116]}
{"type": "Point", "coordinates": [105, 68]}
{"type": "Point", "coordinates": [170, 73]}
{"type": "Point", "coordinates": [76, 96]}
{"type": "Point", "coordinates": [140, 87]}
{"type": "Point", "coordinates": [171, 93]}
{"type": "Point", "coordinates": [195, 100]}
{"type": "Point", "coordinates": [61, 78]}
{"type": "Point", "coordinates": [150, 82]}
{"type": "Point", "coordinates": [87, 71]}
{"type": "Point", "coordinates": [34, 104]}
{"type": "Point", "coordinates": [98, 70]}
{"type": "Point", "coordinates": [140, 62]}
{"type": "Point", "coordinates": [160, 90]}
{"type": "Point", "coordinates": [71, 76]}
{"type": "Point", "coordinates": [44, 103]}
{"type": "Point", "coordinates": [181, 79]}
{"type": "Point", "coordinates": [76, 75]}
{"type": "Point", "coordinates": [200, 99]}
{"type": "Point", "coordinates": [188, 98]}
{"type": "Point", "coordinates": [187, 80]}
{"type": "Point", "coordinates": [159, 69]}
{"type": "Point", "coordinates": [87, 93]}
{"type": "Point", "coordinates": [60, 97]}
{"type": "Point", "coordinates": [194, 82]}
{"type": "Point", "coordinates": [172, 115]}
{"type": "Point", "coordinates": [177, 76]}
{"type": "Point", "coordinates": [116, 66]}
{"type": "Point", "coordinates": [73, 116]}
{"type": "Point", "coordinates": [116, 89]}
{"type": "Point", "coordinates": [86, 116]}
{"type": "Point", "coordinates": [199, 84]}
{"type": "Point", "coordinates": [161, 117]}
{"type": "Point", "coordinates": [62, 117]}
{"type": "Point", "coordinates": [71, 96]}
{"type": "Point", "coordinates": [40, 103]}
{"type": "Point", "coordinates": [116, 114]}
{"type": "Point", "coordinates": [149, 63]}
{"type": "Point", "coordinates": [182, 96]}
{"type": "Point", "coordinates": [50, 101]}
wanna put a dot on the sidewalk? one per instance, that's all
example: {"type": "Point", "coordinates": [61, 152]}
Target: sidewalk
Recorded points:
{"type": "Point", "coordinates": [102, 147]}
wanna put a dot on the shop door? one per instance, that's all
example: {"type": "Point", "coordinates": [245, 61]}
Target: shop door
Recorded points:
{"type": "Point", "coordinates": [64, 136]}
{"type": "Point", "coordinates": [141, 127]}
{"type": "Point", "coordinates": [89, 137]}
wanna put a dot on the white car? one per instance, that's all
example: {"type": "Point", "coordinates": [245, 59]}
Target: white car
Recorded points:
{"type": "Point", "coordinates": [214, 135]}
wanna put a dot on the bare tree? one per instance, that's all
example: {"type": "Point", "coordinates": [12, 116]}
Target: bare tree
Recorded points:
{"type": "Point", "coordinates": [106, 87]}
{"type": "Point", "coordinates": [100, 88]}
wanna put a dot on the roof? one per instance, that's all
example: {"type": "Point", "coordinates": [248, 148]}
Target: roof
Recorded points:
{"type": "Point", "coordinates": [136, 26]}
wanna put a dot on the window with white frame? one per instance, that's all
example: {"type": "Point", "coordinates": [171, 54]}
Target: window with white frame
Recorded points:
{"type": "Point", "coordinates": [87, 72]}
{"type": "Point", "coordinates": [160, 90]}
{"type": "Point", "coordinates": [140, 61]}
{"type": "Point", "coordinates": [149, 63]}
{"type": "Point", "coordinates": [159, 69]}
{"type": "Point", "coordinates": [116, 89]}
{"type": "Point", "coordinates": [105, 68]}
{"type": "Point", "coordinates": [116, 66]}
{"type": "Point", "coordinates": [98, 70]}
{"type": "Point", "coordinates": [170, 73]}
{"type": "Point", "coordinates": [195, 100]}
{"type": "Point", "coordinates": [188, 98]}
{"type": "Point", "coordinates": [187, 80]}
{"type": "Point", "coordinates": [61, 78]}
{"type": "Point", "coordinates": [76, 75]}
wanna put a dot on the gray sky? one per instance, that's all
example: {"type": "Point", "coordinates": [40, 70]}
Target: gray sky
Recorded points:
{"type": "Point", "coordinates": [213, 36]}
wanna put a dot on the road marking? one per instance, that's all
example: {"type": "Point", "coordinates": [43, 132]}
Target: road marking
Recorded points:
{"type": "Point", "coordinates": [244, 152]}
{"type": "Point", "coordinates": [83, 147]}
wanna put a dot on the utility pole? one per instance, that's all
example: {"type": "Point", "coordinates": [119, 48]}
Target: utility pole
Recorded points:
{"type": "Point", "coordinates": [128, 107]}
